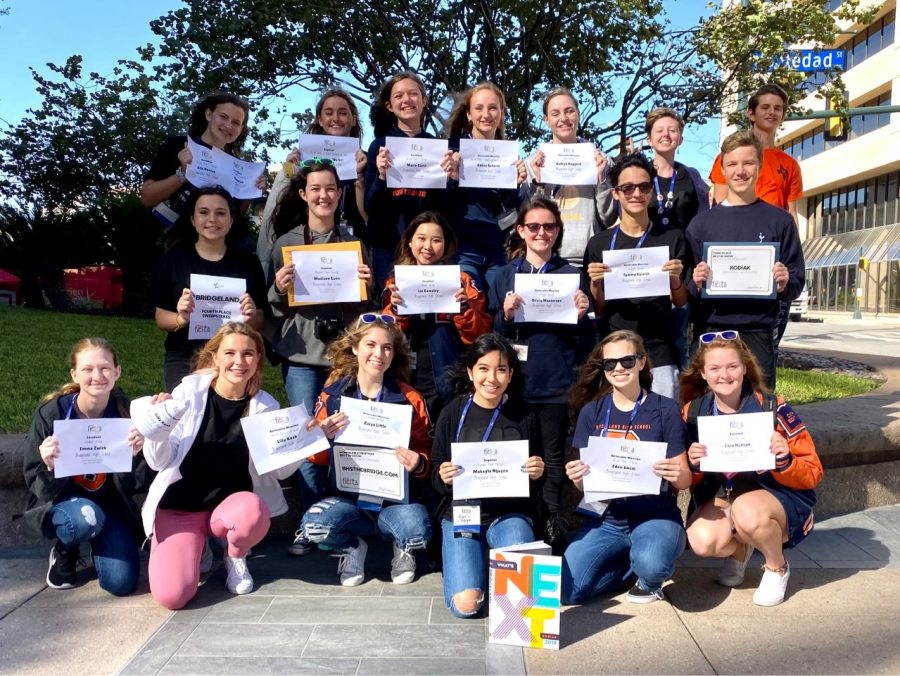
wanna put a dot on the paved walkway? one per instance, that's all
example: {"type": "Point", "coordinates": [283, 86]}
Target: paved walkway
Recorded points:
{"type": "Point", "coordinates": [841, 616]}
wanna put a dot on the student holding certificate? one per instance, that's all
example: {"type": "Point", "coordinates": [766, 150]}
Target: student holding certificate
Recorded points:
{"type": "Point", "coordinates": [201, 243]}
{"type": "Point", "coordinates": [490, 408]}
{"type": "Point", "coordinates": [436, 340]}
{"type": "Point", "coordinates": [400, 109]}
{"type": "Point", "coordinates": [336, 115]}
{"type": "Point", "coordinates": [207, 484]}
{"type": "Point", "coordinates": [217, 121]}
{"type": "Point", "coordinates": [549, 352]}
{"type": "Point", "coordinates": [739, 512]}
{"type": "Point", "coordinates": [650, 316]}
{"type": "Point", "coordinates": [586, 209]}
{"type": "Point", "coordinates": [475, 212]}
{"type": "Point", "coordinates": [95, 508]}
{"type": "Point", "coordinates": [371, 363]}
{"type": "Point", "coordinates": [637, 536]}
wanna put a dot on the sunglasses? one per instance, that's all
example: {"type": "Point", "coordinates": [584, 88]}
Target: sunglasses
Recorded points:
{"type": "Point", "coordinates": [317, 161]}
{"type": "Point", "coordinates": [535, 228]}
{"type": "Point", "coordinates": [371, 318]}
{"type": "Point", "coordinates": [707, 338]}
{"type": "Point", "coordinates": [629, 188]}
{"type": "Point", "coordinates": [627, 362]}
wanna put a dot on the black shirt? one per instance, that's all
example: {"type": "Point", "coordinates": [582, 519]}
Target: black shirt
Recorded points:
{"type": "Point", "coordinates": [217, 464]}
{"type": "Point", "coordinates": [685, 205]}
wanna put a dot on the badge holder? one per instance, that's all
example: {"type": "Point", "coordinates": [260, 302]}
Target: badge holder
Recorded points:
{"type": "Point", "coordinates": [467, 519]}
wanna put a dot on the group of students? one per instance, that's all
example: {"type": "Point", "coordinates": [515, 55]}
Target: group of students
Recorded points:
{"type": "Point", "coordinates": [476, 375]}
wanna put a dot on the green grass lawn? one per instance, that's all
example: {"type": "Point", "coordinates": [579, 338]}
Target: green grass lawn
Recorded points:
{"type": "Point", "coordinates": [35, 344]}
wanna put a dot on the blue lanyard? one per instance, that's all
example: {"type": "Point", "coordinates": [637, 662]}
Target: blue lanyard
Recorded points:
{"type": "Point", "coordinates": [465, 412]}
{"type": "Point", "coordinates": [540, 270]}
{"type": "Point", "coordinates": [359, 394]}
{"type": "Point", "coordinates": [634, 412]}
{"type": "Point", "coordinates": [612, 244]}
{"type": "Point", "coordinates": [668, 204]}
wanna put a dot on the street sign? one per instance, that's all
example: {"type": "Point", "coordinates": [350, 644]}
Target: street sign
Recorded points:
{"type": "Point", "coordinates": [810, 60]}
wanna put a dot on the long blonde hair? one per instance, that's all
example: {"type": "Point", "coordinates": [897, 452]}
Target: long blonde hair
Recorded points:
{"type": "Point", "coordinates": [204, 360]}
{"type": "Point", "coordinates": [344, 363]}
{"type": "Point", "coordinates": [83, 345]}
{"type": "Point", "coordinates": [459, 121]}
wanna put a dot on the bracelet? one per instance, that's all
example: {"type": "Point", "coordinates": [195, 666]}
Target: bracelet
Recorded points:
{"type": "Point", "coordinates": [178, 326]}
{"type": "Point", "coordinates": [179, 174]}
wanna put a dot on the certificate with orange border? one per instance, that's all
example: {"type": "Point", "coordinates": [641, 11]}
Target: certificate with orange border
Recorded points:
{"type": "Point", "coordinates": [331, 271]}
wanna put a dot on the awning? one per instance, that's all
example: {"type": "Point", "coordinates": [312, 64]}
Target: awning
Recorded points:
{"type": "Point", "coordinates": [875, 244]}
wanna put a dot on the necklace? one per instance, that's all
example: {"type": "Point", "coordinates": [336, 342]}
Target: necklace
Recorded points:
{"type": "Point", "coordinates": [665, 206]}
{"type": "Point", "coordinates": [216, 389]}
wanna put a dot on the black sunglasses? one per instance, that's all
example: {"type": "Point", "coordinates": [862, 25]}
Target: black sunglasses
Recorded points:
{"type": "Point", "coordinates": [629, 188]}
{"type": "Point", "coordinates": [627, 362]}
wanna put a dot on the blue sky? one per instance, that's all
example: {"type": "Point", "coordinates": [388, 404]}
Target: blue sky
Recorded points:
{"type": "Point", "coordinates": [36, 32]}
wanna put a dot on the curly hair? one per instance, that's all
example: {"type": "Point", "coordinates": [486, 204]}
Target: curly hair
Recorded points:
{"type": "Point", "coordinates": [199, 122]}
{"type": "Point", "coordinates": [316, 128]}
{"type": "Point", "coordinates": [458, 122]}
{"type": "Point", "coordinates": [344, 363]}
{"type": "Point", "coordinates": [693, 385]}
{"type": "Point", "coordinates": [204, 360]}
{"type": "Point", "coordinates": [484, 345]}
{"type": "Point", "coordinates": [291, 210]}
{"type": "Point", "coordinates": [592, 382]}
{"type": "Point", "coordinates": [515, 246]}
{"type": "Point", "coordinates": [403, 255]}
{"type": "Point", "coordinates": [383, 119]}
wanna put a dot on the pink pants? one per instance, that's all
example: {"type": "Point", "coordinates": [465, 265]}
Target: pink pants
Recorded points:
{"type": "Point", "coordinates": [178, 538]}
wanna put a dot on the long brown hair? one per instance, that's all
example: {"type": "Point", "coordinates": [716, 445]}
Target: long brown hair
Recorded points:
{"type": "Point", "coordinates": [344, 363]}
{"type": "Point", "coordinates": [199, 122]}
{"type": "Point", "coordinates": [404, 254]}
{"type": "Point", "coordinates": [592, 382]}
{"type": "Point", "coordinates": [316, 128]}
{"type": "Point", "coordinates": [458, 122]}
{"type": "Point", "coordinates": [383, 119]}
{"type": "Point", "coordinates": [204, 360]}
{"type": "Point", "coordinates": [693, 385]}
{"type": "Point", "coordinates": [292, 210]}
{"type": "Point", "coordinates": [83, 345]}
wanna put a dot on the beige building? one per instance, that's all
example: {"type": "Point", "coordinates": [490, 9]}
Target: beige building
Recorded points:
{"type": "Point", "coordinates": [850, 206]}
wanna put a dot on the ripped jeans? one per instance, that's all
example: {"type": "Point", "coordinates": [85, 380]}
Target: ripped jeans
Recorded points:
{"type": "Point", "coordinates": [336, 521]}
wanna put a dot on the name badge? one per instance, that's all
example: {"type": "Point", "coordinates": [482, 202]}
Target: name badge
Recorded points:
{"type": "Point", "coordinates": [466, 519]}
{"type": "Point", "coordinates": [521, 350]}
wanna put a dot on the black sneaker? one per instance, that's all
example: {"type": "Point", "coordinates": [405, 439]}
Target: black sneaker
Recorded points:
{"type": "Point", "coordinates": [61, 574]}
{"type": "Point", "coordinates": [637, 594]}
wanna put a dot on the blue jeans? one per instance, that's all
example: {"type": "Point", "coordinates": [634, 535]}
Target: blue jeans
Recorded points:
{"type": "Point", "coordinates": [465, 559]}
{"type": "Point", "coordinates": [303, 384]}
{"type": "Point", "coordinates": [605, 555]}
{"type": "Point", "coordinates": [482, 269]}
{"type": "Point", "coordinates": [680, 319]}
{"type": "Point", "coordinates": [382, 265]}
{"type": "Point", "coordinates": [665, 381]}
{"type": "Point", "coordinates": [114, 550]}
{"type": "Point", "coordinates": [336, 521]}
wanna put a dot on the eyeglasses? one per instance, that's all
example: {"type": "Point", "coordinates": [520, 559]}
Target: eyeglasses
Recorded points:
{"type": "Point", "coordinates": [313, 161]}
{"type": "Point", "coordinates": [629, 188]}
{"type": "Point", "coordinates": [535, 228]}
{"type": "Point", "coordinates": [627, 362]}
{"type": "Point", "coordinates": [371, 318]}
{"type": "Point", "coordinates": [707, 338]}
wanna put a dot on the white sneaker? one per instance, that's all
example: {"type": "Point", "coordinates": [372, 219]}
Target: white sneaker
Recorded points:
{"type": "Point", "coordinates": [206, 558]}
{"type": "Point", "coordinates": [352, 562]}
{"type": "Point", "coordinates": [238, 580]}
{"type": "Point", "coordinates": [772, 587]}
{"type": "Point", "coordinates": [403, 566]}
{"type": "Point", "coordinates": [733, 571]}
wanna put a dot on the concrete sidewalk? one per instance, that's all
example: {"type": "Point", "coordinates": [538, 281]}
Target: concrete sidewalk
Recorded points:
{"type": "Point", "coordinates": [841, 616]}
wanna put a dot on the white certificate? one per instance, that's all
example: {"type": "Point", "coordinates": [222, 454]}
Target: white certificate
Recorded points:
{"type": "Point", "coordinates": [736, 443]}
{"type": "Point", "coordinates": [636, 273]}
{"type": "Point", "coordinates": [279, 438]}
{"type": "Point", "coordinates": [93, 446]}
{"type": "Point", "coordinates": [211, 167]}
{"type": "Point", "coordinates": [488, 164]}
{"type": "Point", "coordinates": [416, 162]}
{"type": "Point", "coordinates": [547, 298]}
{"type": "Point", "coordinates": [622, 466]}
{"type": "Point", "coordinates": [370, 472]}
{"type": "Point", "coordinates": [325, 276]}
{"type": "Point", "coordinates": [339, 149]}
{"type": "Point", "coordinates": [569, 164]}
{"type": "Point", "coordinates": [217, 301]}
{"type": "Point", "coordinates": [374, 423]}
{"type": "Point", "coordinates": [426, 289]}
{"type": "Point", "coordinates": [740, 270]}
{"type": "Point", "coordinates": [490, 469]}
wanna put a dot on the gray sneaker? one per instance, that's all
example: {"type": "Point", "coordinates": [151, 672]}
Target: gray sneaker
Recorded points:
{"type": "Point", "coordinates": [352, 563]}
{"type": "Point", "coordinates": [403, 566]}
{"type": "Point", "coordinates": [238, 579]}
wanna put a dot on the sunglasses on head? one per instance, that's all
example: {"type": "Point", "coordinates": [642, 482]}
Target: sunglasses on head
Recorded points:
{"type": "Point", "coordinates": [707, 338]}
{"type": "Point", "coordinates": [317, 161]}
{"type": "Point", "coordinates": [629, 188]}
{"type": "Point", "coordinates": [535, 228]}
{"type": "Point", "coordinates": [371, 318]}
{"type": "Point", "coordinates": [627, 362]}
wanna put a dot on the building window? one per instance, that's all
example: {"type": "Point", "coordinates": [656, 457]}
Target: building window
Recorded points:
{"type": "Point", "coordinates": [872, 40]}
{"type": "Point", "coordinates": [858, 206]}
